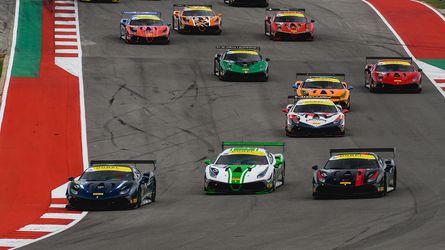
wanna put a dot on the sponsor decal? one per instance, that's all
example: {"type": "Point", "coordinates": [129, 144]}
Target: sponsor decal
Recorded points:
{"type": "Point", "coordinates": [143, 17]}
{"type": "Point", "coordinates": [353, 156]}
{"type": "Point", "coordinates": [322, 79]}
{"type": "Point", "coordinates": [290, 14]}
{"type": "Point", "coordinates": [96, 194]}
{"type": "Point", "coordinates": [250, 52]}
{"type": "Point", "coordinates": [321, 102]}
{"type": "Point", "coordinates": [345, 183]}
{"type": "Point", "coordinates": [394, 62]}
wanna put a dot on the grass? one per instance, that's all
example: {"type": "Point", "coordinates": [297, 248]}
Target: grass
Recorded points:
{"type": "Point", "coordinates": [436, 3]}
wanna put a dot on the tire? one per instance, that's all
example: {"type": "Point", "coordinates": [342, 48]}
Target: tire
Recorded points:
{"type": "Point", "coordinates": [214, 67]}
{"type": "Point", "coordinates": [139, 202]}
{"type": "Point", "coordinates": [385, 190]}
{"type": "Point", "coordinates": [153, 191]}
{"type": "Point", "coordinates": [265, 28]}
{"type": "Point", "coordinates": [274, 184]}
{"type": "Point", "coordinates": [221, 77]}
{"type": "Point", "coordinates": [371, 88]}
{"type": "Point", "coordinates": [394, 182]}
{"type": "Point", "coordinates": [283, 173]}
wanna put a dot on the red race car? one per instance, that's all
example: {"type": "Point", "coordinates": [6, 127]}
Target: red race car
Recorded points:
{"type": "Point", "coordinates": [392, 74]}
{"type": "Point", "coordinates": [144, 27]}
{"type": "Point", "coordinates": [287, 24]}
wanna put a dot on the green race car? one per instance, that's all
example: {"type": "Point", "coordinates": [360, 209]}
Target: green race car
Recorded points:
{"type": "Point", "coordinates": [240, 63]}
{"type": "Point", "coordinates": [245, 168]}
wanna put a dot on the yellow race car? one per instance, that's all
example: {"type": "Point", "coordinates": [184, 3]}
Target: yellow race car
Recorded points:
{"type": "Point", "coordinates": [324, 85]}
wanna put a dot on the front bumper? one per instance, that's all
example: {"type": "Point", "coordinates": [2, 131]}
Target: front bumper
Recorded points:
{"type": "Point", "coordinates": [203, 29]}
{"type": "Point", "coordinates": [77, 202]}
{"type": "Point", "coordinates": [235, 76]}
{"type": "Point", "coordinates": [215, 187]}
{"type": "Point", "coordinates": [306, 130]}
{"type": "Point", "coordinates": [323, 189]}
{"type": "Point", "coordinates": [293, 36]}
{"type": "Point", "coordinates": [390, 87]}
{"type": "Point", "coordinates": [148, 40]}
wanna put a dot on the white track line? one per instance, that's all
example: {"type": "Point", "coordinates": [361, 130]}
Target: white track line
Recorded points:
{"type": "Point", "coordinates": [42, 228]}
{"type": "Point", "coordinates": [65, 36]}
{"type": "Point", "coordinates": [11, 60]}
{"type": "Point", "coordinates": [69, 216]}
{"type": "Point", "coordinates": [65, 22]}
{"type": "Point", "coordinates": [15, 242]}
{"type": "Point", "coordinates": [65, 30]}
{"type": "Point", "coordinates": [404, 45]}
{"type": "Point", "coordinates": [57, 205]}
{"type": "Point", "coordinates": [64, 43]}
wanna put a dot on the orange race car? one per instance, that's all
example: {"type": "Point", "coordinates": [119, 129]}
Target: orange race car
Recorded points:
{"type": "Point", "coordinates": [324, 85]}
{"type": "Point", "coordinates": [196, 18]}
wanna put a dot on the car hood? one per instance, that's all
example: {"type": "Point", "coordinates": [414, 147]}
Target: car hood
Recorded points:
{"type": "Point", "coordinates": [105, 187]}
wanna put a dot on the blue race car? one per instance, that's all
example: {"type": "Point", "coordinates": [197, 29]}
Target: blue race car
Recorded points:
{"type": "Point", "coordinates": [112, 183]}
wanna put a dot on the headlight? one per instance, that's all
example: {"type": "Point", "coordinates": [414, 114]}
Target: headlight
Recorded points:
{"type": "Point", "coordinates": [262, 174]}
{"type": "Point", "coordinates": [124, 190]}
{"type": "Point", "coordinates": [213, 172]}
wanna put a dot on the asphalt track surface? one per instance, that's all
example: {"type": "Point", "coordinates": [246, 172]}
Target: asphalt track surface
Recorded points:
{"type": "Point", "coordinates": [162, 102]}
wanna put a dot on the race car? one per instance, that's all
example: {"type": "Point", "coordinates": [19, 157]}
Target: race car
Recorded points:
{"type": "Point", "coordinates": [356, 171]}
{"type": "Point", "coordinates": [287, 24]}
{"type": "Point", "coordinates": [324, 85]}
{"type": "Point", "coordinates": [112, 1]}
{"type": "Point", "coordinates": [196, 19]}
{"type": "Point", "coordinates": [240, 63]}
{"type": "Point", "coordinates": [253, 3]}
{"type": "Point", "coordinates": [392, 74]}
{"type": "Point", "coordinates": [112, 184]}
{"type": "Point", "coordinates": [309, 117]}
{"type": "Point", "coordinates": [144, 27]}
{"type": "Point", "coordinates": [245, 168]}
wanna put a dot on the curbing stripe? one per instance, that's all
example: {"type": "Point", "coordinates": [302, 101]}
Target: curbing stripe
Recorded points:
{"type": "Point", "coordinates": [61, 216]}
{"type": "Point", "coordinates": [41, 228]}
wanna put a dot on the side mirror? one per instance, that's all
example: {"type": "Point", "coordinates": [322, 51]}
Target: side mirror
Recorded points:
{"type": "Point", "coordinates": [339, 107]}
{"type": "Point", "coordinates": [176, 12]}
{"type": "Point", "coordinates": [278, 161]}
{"type": "Point", "coordinates": [207, 162]}
{"type": "Point", "coordinates": [71, 179]}
{"type": "Point", "coordinates": [124, 21]}
{"type": "Point", "coordinates": [217, 56]}
{"type": "Point", "coordinates": [420, 70]}
{"type": "Point", "coordinates": [267, 59]}
{"type": "Point", "coordinates": [220, 14]}
{"type": "Point", "coordinates": [315, 167]}
{"type": "Point", "coordinates": [388, 168]}
{"type": "Point", "coordinates": [312, 21]}
{"type": "Point", "coordinates": [350, 87]}
{"type": "Point", "coordinates": [295, 85]}
{"type": "Point", "coordinates": [285, 110]}
{"type": "Point", "coordinates": [169, 24]}
{"type": "Point", "coordinates": [344, 111]}
{"type": "Point", "coordinates": [144, 179]}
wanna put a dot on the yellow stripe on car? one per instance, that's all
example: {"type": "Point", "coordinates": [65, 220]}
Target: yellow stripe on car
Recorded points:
{"type": "Point", "coordinates": [354, 156]}
{"type": "Point", "coordinates": [144, 17]}
{"type": "Point", "coordinates": [112, 168]}
{"type": "Point", "coordinates": [321, 102]}
{"type": "Point", "coordinates": [291, 14]}
{"type": "Point", "coordinates": [394, 62]}
{"type": "Point", "coordinates": [250, 52]}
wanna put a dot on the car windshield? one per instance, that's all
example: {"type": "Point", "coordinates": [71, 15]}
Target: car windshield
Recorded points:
{"type": "Point", "coordinates": [242, 57]}
{"type": "Point", "coordinates": [146, 22]}
{"type": "Point", "coordinates": [289, 19]}
{"type": "Point", "coordinates": [315, 108]}
{"type": "Point", "coordinates": [242, 159]}
{"type": "Point", "coordinates": [351, 163]}
{"type": "Point", "coordinates": [107, 175]}
{"type": "Point", "coordinates": [394, 68]}
{"type": "Point", "coordinates": [322, 85]}
{"type": "Point", "coordinates": [198, 13]}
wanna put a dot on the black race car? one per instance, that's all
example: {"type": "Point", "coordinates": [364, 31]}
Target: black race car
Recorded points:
{"type": "Point", "coordinates": [248, 3]}
{"type": "Point", "coordinates": [356, 171]}
{"type": "Point", "coordinates": [112, 183]}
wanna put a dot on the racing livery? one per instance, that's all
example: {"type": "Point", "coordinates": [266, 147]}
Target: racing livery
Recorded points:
{"type": "Point", "coordinates": [314, 117]}
{"type": "Point", "coordinates": [144, 27]}
{"type": "Point", "coordinates": [284, 24]}
{"type": "Point", "coordinates": [356, 171]}
{"type": "Point", "coordinates": [196, 18]}
{"type": "Point", "coordinates": [324, 85]}
{"type": "Point", "coordinates": [253, 3]}
{"type": "Point", "coordinates": [240, 63]}
{"type": "Point", "coordinates": [112, 183]}
{"type": "Point", "coordinates": [245, 168]}
{"type": "Point", "coordinates": [392, 74]}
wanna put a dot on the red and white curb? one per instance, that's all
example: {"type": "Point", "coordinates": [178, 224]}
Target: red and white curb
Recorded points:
{"type": "Point", "coordinates": [55, 220]}
{"type": "Point", "coordinates": [66, 36]}
{"type": "Point", "coordinates": [435, 75]}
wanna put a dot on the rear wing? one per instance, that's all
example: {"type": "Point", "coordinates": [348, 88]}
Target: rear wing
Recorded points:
{"type": "Point", "coordinates": [285, 9]}
{"type": "Point", "coordinates": [299, 76]}
{"type": "Point", "coordinates": [133, 13]}
{"type": "Point", "coordinates": [333, 152]}
{"type": "Point", "coordinates": [130, 162]}
{"type": "Point", "coordinates": [252, 144]}
{"type": "Point", "coordinates": [254, 48]}
{"type": "Point", "coordinates": [376, 58]}
{"type": "Point", "coordinates": [191, 5]}
{"type": "Point", "coordinates": [292, 99]}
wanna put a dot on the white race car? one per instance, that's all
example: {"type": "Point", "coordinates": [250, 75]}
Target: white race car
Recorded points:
{"type": "Point", "coordinates": [314, 117]}
{"type": "Point", "coordinates": [247, 168]}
